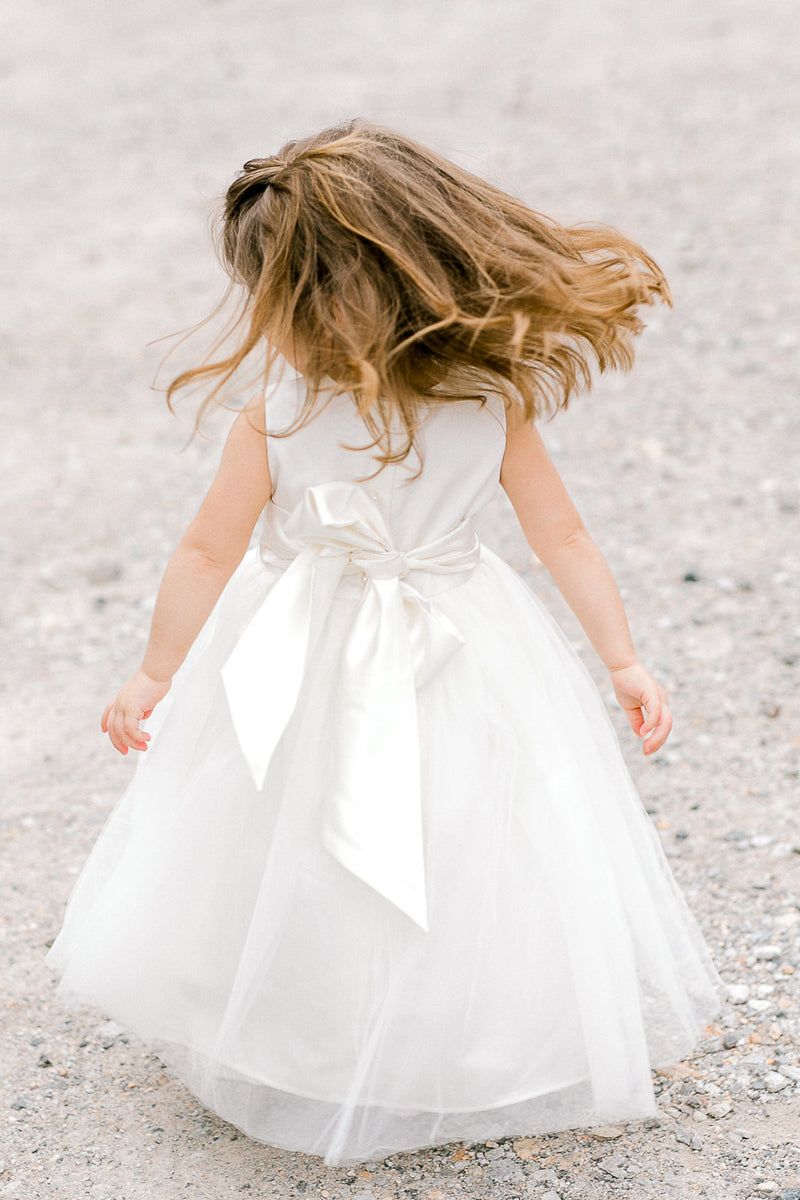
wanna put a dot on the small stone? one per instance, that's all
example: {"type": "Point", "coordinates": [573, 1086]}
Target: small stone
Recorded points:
{"type": "Point", "coordinates": [767, 953]}
{"type": "Point", "coordinates": [541, 1177]}
{"type": "Point", "coordinates": [610, 1169]}
{"type": "Point", "coordinates": [759, 1005]}
{"type": "Point", "coordinates": [108, 1032]}
{"type": "Point", "coordinates": [791, 1073]}
{"type": "Point", "coordinates": [689, 1138]}
{"type": "Point", "coordinates": [767, 1187]}
{"type": "Point", "coordinates": [730, 1039]}
{"type": "Point", "coordinates": [43, 1061]}
{"type": "Point", "coordinates": [551, 1195]}
{"type": "Point", "coordinates": [720, 1109]}
{"type": "Point", "coordinates": [503, 1171]}
{"type": "Point", "coordinates": [775, 1082]}
{"type": "Point", "coordinates": [738, 993]}
{"type": "Point", "coordinates": [19, 1102]}
{"type": "Point", "coordinates": [676, 1071]}
{"type": "Point", "coordinates": [527, 1147]}
{"type": "Point", "coordinates": [607, 1133]}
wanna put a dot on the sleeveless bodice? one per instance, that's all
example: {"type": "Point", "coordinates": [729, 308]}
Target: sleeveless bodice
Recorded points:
{"type": "Point", "coordinates": [461, 443]}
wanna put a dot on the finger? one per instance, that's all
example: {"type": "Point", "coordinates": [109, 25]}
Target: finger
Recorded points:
{"type": "Point", "coordinates": [104, 721]}
{"type": "Point", "coordinates": [661, 732]}
{"type": "Point", "coordinates": [652, 704]}
{"type": "Point", "coordinates": [137, 739]}
{"type": "Point", "coordinates": [635, 719]}
{"type": "Point", "coordinates": [118, 728]}
{"type": "Point", "coordinates": [108, 725]}
{"type": "Point", "coordinates": [132, 734]}
{"type": "Point", "coordinates": [113, 725]}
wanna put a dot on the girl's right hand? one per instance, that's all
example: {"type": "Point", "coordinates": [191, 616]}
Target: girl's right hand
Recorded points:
{"type": "Point", "coordinates": [134, 703]}
{"type": "Point", "coordinates": [645, 704]}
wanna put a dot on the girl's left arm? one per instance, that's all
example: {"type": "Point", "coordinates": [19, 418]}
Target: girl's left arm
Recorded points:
{"type": "Point", "coordinates": [557, 535]}
{"type": "Point", "coordinates": [209, 552]}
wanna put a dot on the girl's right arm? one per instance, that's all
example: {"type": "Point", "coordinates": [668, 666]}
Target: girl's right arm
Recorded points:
{"type": "Point", "coordinates": [209, 552]}
{"type": "Point", "coordinates": [557, 535]}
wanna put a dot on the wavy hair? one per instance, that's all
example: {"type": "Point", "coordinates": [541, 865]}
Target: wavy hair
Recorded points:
{"type": "Point", "coordinates": [406, 280]}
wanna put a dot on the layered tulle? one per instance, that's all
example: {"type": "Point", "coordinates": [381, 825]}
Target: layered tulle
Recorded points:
{"type": "Point", "coordinates": [560, 964]}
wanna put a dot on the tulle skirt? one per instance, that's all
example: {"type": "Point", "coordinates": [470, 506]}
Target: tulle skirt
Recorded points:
{"type": "Point", "coordinates": [561, 961]}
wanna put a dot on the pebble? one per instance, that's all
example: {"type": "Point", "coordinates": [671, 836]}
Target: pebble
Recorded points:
{"type": "Point", "coordinates": [607, 1133]}
{"type": "Point", "coordinates": [775, 1082]}
{"type": "Point", "coordinates": [109, 1032]}
{"type": "Point", "coordinates": [527, 1147]}
{"type": "Point", "coordinates": [767, 953]}
{"type": "Point", "coordinates": [720, 1109]}
{"type": "Point", "coordinates": [738, 993]}
{"type": "Point", "coordinates": [689, 1138]}
{"type": "Point", "coordinates": [759, 1005]}
{"type": "Point", "coordinates": [542, 1176]}
{"type": "Point", "coordinates": [612, 1167]}
{"type": "Point", "coordinates": [503, 1171]}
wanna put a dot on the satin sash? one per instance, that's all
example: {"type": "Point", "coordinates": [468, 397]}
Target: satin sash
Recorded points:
{"type": "Point", "coordinates": [372, 821]}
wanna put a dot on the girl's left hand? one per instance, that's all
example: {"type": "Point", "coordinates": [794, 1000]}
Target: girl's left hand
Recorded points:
{"type": "Point", "coordinates": [645, 704]}
{"type": "Point", "coordinates": [134, 703]}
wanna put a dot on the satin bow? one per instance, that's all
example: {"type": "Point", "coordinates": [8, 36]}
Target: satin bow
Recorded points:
{"type": "Point", "coordinates": [372, 822]}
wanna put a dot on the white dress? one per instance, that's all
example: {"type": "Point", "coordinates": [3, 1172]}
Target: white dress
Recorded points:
{"type": "Point", "coordinates": [382, 880]}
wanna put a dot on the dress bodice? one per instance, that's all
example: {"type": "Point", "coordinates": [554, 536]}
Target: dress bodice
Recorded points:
{"type": "Point", "coordinates": [461, 443]}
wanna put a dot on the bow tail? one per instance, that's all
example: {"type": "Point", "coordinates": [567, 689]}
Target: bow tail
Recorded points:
{"type": "Point", "coordinates": [264, 673]}
{"type": "Point", "coordinates": [373, 822]}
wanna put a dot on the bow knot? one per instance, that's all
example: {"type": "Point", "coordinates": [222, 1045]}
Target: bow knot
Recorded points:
{"type": "Point", "coordinates": [392, 564]}
{"type": "Point", "coordinates": [372, 823]}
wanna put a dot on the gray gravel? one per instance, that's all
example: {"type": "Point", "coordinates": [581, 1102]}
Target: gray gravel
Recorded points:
{"type": "Point", "coordinates": [677, 123]}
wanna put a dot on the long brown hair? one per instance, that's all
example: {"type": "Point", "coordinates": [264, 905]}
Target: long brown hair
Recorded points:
{"type": "Point", "coordinates": [405, 279]}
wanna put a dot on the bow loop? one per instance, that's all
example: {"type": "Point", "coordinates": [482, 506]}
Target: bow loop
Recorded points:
{"type": "Point", "coordinates": [397, 641]}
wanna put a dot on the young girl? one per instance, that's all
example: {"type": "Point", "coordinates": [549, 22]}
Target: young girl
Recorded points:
{"type": "Point", "coordinates": [382, 880]}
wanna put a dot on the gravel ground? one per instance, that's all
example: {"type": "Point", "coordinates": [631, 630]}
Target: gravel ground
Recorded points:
{"type": "Point", "coordinates": [676, 122]}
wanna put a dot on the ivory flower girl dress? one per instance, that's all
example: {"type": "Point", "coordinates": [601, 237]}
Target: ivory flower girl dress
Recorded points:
{"type": "Point", "coordinates": [382, 879]}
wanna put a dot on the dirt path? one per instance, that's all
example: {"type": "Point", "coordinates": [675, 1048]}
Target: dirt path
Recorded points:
{"type": "Point", "coordinates": [677, 123]}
